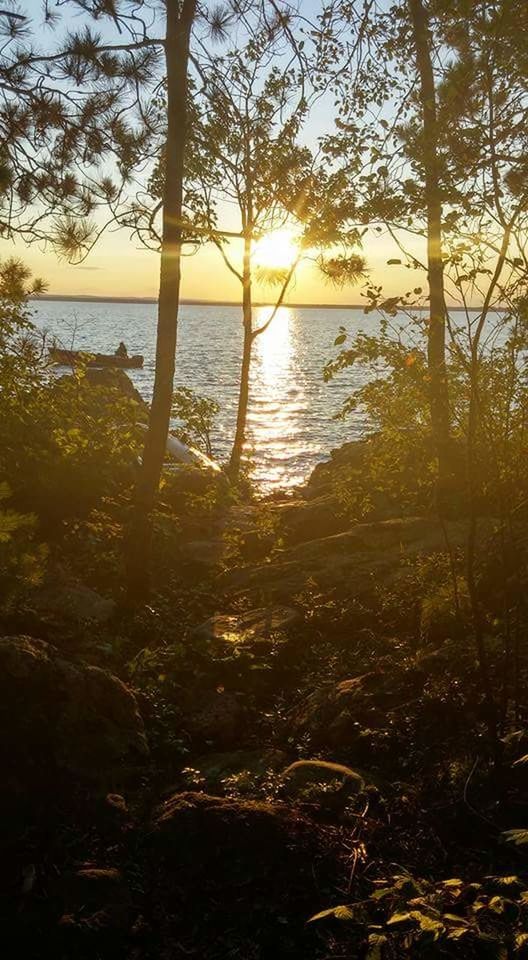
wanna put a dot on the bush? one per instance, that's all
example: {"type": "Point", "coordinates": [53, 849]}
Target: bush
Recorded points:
{"type": "Point", "coordinates": [196, 415]}
{"type": "Point", "coordinates": [21, 559]}
{"type": "Point", "coordinates": [401, 461]}
{"type": "Point", "coordinates": [64, 443]}
{"type": "Point", "coordinates": [71, 445]}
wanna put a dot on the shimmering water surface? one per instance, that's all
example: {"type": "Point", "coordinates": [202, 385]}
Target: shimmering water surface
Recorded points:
{"type": "Point", "coordinates": [291, 425]}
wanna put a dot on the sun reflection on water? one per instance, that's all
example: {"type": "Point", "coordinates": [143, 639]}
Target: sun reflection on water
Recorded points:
{"type": "Point", "coordinates": [278, 395]}
{"type": "Point", "coordinates": [274, 346]}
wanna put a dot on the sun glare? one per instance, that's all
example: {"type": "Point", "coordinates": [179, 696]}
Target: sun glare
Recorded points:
{"type": "Point", "coordinates": [276, 251]}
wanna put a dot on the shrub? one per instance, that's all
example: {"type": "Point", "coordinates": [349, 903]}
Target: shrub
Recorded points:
{"type": "Point", "coordinates": [21, 559]}
{"type": "Point", "coordinates": [65, 443]}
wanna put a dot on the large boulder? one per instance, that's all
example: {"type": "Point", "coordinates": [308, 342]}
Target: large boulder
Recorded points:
{"type": "Point", "coordinates": [238, 838]}
{"type": "Point", "coordinates": [114, 379]}
{"type": "Point", "coordinates": [343, 462]}
{"type": "Point", "coordinates": [242, 875]}
{"type": "Point", "coordinates": [353, 716]}
{"type": "Point", "coordinates": [331, 785]}
{"type": "Point", "coordinates": [319, 509]}
{"type": "Point", "coordinates": [311, 519]}
{"type": "Point", "coordinates": [217, 720]}
{"type": "Point", "coordinates": [66, 600]}
{"type": "Point", "coordinates": [62, 720]}
{"type": "Point", "coordinates": [95, 906]}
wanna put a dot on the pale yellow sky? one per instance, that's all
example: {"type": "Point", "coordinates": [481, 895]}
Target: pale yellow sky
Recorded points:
{"type": "Point", "coordinates": [117, 267]}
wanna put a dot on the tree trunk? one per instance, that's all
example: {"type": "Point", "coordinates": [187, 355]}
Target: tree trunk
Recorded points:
{"type": "Point", "coordinates": [439, 396]}
{"type": "Point", "coordinates": [178, 34]}
{"type": "Point", "coordinates": [243, 397]}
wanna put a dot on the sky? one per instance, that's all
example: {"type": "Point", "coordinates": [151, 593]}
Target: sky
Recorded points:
{"type": "Point", "coordinates": [119, 267]}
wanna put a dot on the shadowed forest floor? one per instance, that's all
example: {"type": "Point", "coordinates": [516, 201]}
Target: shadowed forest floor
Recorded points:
{"type": "Point", "coordinates": [159, 815]}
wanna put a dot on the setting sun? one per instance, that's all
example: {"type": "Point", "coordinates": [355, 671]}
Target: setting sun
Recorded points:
{"type": "Point", "coordinates": [276, 251]}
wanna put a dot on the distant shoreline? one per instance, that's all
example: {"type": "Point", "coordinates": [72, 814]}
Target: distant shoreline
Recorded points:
{"type": "Point", "coordinates": [81, 298]}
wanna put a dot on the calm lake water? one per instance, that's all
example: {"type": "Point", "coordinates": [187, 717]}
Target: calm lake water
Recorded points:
{"type": "Point", "coordinates": [291, 425]}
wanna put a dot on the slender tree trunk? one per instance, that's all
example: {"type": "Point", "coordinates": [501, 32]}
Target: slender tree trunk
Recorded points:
{"type": "Point", "coordinates": [472, 478]}
{"type": "Point", "coordinates": [243, 397]}
{"type": "Point", "coordinates": [178, 34]}
{"type": "Point", "coordinates": [439, 396]}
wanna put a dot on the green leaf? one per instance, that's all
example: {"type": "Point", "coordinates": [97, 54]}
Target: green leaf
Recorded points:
{"type": "Point", "coordinates": [458, 932]}
{"type": "Point", "coordinates": [454, 918]}
{"type": "Point", "coordinates": [497, 904]}
{"type": "Point", "coordinates": [521, 944]}
{"type": "Point", "coordinates": [338, 913]}
{"type": "Point", "coordinates": [398, 919]}
{"type": "Point", "coordinates": [517, 837]}
{"type": "Point", "coordinates": [521, 761]}
{"type": "Point", "coordinates": [429, 925]}
{"type": "Point", "coordinates": [511, 881]}
{"type": "Point", "coordinates": [382, 892]}
{"type": "Point", "coordinates": [376, 942]}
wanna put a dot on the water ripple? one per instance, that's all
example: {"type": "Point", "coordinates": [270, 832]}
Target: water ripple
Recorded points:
{"type": "Point", "coordinates": [290, 423]}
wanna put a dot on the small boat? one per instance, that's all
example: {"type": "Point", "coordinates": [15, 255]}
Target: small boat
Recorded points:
{"type": "Point", "coordinates": [69, 358]}
{"type": "Point", "coordinates": [190, 455]}
{"type": "Point", "coordinates": [184, 454]}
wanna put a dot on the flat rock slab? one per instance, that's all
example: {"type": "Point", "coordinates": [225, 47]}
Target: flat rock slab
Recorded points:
{"type": "Point", "coordinates": [233, 630]}
{"type": "Point", "coordinates": [62, 719]}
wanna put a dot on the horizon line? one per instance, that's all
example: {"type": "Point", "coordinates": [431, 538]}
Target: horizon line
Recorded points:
{"type": "Point", "coordinates": [191, 301]}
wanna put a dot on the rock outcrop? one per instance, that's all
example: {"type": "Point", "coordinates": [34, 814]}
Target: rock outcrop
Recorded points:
{"type": "Point", "coordinates": [242, 875]}
{"type": "Point", "coordinates": [365, 558]}
{"type": "Point", "coordinates": [345, 460]}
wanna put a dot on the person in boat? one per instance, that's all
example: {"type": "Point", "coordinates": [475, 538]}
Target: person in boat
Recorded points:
{"type": "Point", "coordinates": [122, 351]}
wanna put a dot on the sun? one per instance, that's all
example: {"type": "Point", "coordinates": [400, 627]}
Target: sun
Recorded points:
{"type": "Point", "coordinates": [277, 250]}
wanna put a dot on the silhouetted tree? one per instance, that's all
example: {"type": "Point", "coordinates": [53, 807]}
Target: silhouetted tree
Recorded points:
{"type": "Point", "coordinates": [246, 155]}
{"type": "Point", "coordinates": [436, 339]}
{"type": "Point", "coordinates": [179, 23]}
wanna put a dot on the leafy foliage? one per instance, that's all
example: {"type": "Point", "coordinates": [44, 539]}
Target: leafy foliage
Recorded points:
{"type": "Point", "coordinates": [75, 120]}
{"type": "Point", "coordinates": [196, 415]}
{"type": "Point", "coordinates": [405, 916]}
{"type": "Point", "coordinates": [64, 442]}
{"type": "Point", "coordinates": [22, 560]}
